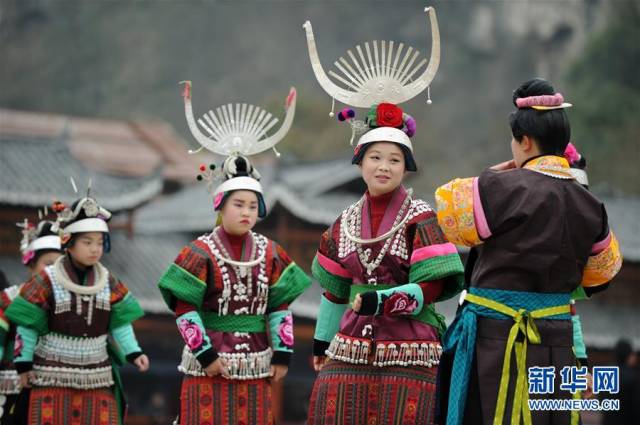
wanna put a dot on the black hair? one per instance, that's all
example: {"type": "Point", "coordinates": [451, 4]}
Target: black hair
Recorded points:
{"type": "Point", "coordinates": [409, 161]}
{"type": "Point", "coordinates": [550, 129]}
{"type": "Point", "coordinates": [4, 283]}
{"type": "Point", "coordinates": [622, 351]}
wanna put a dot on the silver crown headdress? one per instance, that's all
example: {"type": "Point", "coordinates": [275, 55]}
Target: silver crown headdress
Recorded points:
{"type": "Point", "coordinates": [69, 217]}
{"type": "Point", "coordinates": [385, 75]}
{"type": "Point", "coordinates": [239, 129]}
{"type": "Point", "coordinates": [37, 237]}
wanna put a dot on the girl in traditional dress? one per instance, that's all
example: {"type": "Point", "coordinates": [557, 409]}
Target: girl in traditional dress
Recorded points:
{"type": "Point", "coordinates": [230, 289]}
{"type": "Point", "coordinates": [539, 235]}
{"type": "Point", "coordinates": [64, 316]}
{"type": "Point", "coordinates": [40, 247]}
{"type": "Point", "coordinates": [385, 254]}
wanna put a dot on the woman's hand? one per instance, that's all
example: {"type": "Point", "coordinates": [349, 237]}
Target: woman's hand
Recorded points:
{"type": "Point", "coordinates": [25, 379]}
{"type": "Point", "coordinates": [357, 303]}
{"type": "Point", "coordinates": [319, 362]}
{"type": "Point", "coordinates": [142, 361]}
{"type": "Point", "coordinates": [218, 367]}
{"type": "Point", "coordinates": [278, 371]}
{"type": "Point", "coordinates": [503, 166]}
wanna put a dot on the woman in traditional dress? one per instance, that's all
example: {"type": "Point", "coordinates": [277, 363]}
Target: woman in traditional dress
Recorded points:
{"type": "Point", "coordinates": [64, 316]}
{"type": "Point", "coordinates": [230, 289]}
{"type": "Point", "coordinates": [539, 236]}
{"type": "Point", "coordinates": [378, 360]}
{"type": "Point", "coordinates": [40, 247]}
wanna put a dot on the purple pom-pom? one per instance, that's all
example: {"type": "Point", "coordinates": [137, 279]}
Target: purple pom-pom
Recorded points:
{"type": "Point", "coordinates": [410, 126]}
{"type": "Point", "coordinates": [345, 114]}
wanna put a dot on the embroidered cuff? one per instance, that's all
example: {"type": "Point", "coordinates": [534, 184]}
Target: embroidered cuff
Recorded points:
{"type": "Point", "coordinates": [281, 358]}
{"type": "Point", "coordinates": [404, 300]}
{"type": "Point", "coordinates": [369, 305]}
{"type": "Point", "coordinates": [281, 331]}
{"type": "Point", "coordinates": [22, 367]}
{"type": "Point", "coordinates": [126, 339]}
{"type": "Point", "coordinates": [131, 357]}
{"type": "Point", "coordinates": [207, 357]}
{"type": "Point", "coordinates": [25, 344]}
{"type": "Point", "coordinates": [193, 332]}
{"type": "Point", "coordinates": [328, 320]}
{"type": "Point", "coordinates": [320, 347]}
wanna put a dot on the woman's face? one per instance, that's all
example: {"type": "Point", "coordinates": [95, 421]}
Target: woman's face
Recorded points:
{"type": "Point", "coordinates": [240, 212]}
{"type": "Point", "coordinates": [383, 167]}
{"type": "Point", "coordinates": [87, 249]}
{"type": "Point", "coordinates": [44, 260]}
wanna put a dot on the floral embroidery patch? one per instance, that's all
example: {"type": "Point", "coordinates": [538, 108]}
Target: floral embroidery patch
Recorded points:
{"type": "Point", "coordinates": [285, 332]}
{"type": "Point", "coordinates": [398, 303]}
{"type": "Point", "coordinates": [192, 334]}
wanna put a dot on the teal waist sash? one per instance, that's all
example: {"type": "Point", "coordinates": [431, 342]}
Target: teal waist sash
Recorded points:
{"type": "Point", "coordinates": [460, 338]}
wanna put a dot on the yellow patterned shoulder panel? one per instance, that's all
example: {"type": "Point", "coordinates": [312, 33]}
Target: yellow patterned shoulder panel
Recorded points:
{"type": "Point", "coordinates": [602, 267]}
{"type": "Point", "coordinates": [454, 202]}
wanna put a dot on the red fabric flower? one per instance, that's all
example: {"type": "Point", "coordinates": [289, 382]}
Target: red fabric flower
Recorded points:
{"type": "Point", "coordinates": [285, 331]}
{"type": "Point", "coordinates": [388, 115]}
{"type": "Point", "coordinates": [400, 303]}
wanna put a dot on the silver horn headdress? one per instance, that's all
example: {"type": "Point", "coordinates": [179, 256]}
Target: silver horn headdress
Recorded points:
{"type": "Point", "coordinates": [238, 129]}
{"type": "Point", "coordinates": [384, 75]}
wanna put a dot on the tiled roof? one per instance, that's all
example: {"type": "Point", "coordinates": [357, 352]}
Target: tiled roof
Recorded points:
{"type": "Point", "coordinates": [34, 171]}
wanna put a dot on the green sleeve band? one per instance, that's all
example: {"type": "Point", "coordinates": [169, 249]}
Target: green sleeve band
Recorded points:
{"type": "Point", "coordinates": [178, 283]}
{"type": "Point", "coordinates": [28, 337]}
{"type": "Point", "coordinates": [336, 285]}
{"type": "Point", "coordinates": [22, 312]}
{"type": "Point", "coordinates": [193, 332]}
{"type": "Point", "coordinates": [292, 283]}
{"type": "Point", "coordinates": [126, 339]}
{"type": "Point", "coordinates": [411, 305]}
{"type": "Point", "coordinates": [440, 267]}
{"type": "Point", "coordinates": [328, 321]}
{"type": "Point", "coordinates": [124, 312]}
{"type": "Point", "coordinates": [579, 348]}
{"type": "Point", "coordinates": [281, 330]}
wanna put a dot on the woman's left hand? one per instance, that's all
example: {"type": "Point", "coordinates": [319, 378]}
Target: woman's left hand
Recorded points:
{"type": "Point", "coordinates": [357, 303]}
{"type": "Point", "coordinates": [278, 372]}
{"type": "Point", "coordinates": [142, 362]}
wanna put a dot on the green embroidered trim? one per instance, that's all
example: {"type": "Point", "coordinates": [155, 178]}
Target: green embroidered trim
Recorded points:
{"type": "Point", "coordinates": [23, 313]}
{"type": "Point", "coordinates": [292, 283]}
{"type": "Point", "coordinates": [440, 267]}
{"type": "Point", "coordinates": [124, 312]}
{"type": "Point", "coordinates": [233, 322]}
{"type": "Point", "coordinates": [336, 285]}
{"type": "Point", "coordinates": [178, 283]}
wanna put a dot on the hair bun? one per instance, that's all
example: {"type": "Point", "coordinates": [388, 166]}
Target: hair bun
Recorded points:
{"type": "Point", "coordinates": [533, 87]}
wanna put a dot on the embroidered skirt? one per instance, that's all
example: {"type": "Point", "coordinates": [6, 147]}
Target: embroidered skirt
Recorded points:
{"type": "Point", "coordinates": [219, 401]}
{"type": "Point", "coordinates": [68, 406]}
{"type": "Point", "coordinates": [362, 394]}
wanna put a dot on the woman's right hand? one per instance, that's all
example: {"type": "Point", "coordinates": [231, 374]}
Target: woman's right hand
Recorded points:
{"type": "Point", "coordinates": [319, 362]}
{"type": "Point", "coordinates": [25, 379]}
{"type": "Point", "coordinates": [503, 166]}
{"type": "Point", "coordinates": [218, 367]}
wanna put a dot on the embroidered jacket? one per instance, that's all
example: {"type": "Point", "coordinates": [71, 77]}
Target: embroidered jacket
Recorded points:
{"type": "Point", "coordinates": [239, 313]}
{"type": "Point", "coordinates": [9, 382]}
{"type": "Point", "coordinates": [403, 327]}
{"type": "Point", "coordinates": [63, 326]}
{"type": "Point", "coordinates": [535, 228]}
